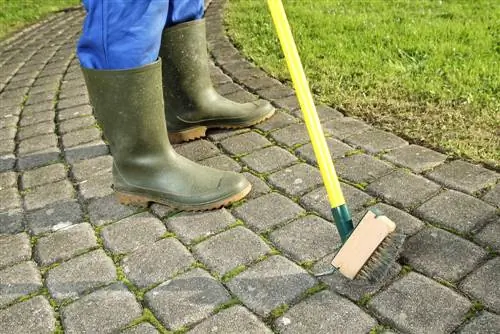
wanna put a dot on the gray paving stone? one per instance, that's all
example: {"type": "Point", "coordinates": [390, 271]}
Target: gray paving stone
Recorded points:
{"type": "Point", "coordinates": [484, 323]}
{"type": "Point", "coordinates": [230, 249]}
{"type": "Point", "coordinates": [259, 187]}
{"type": "Point", "coordinates": [11, 101]}
{"type": "Point", "coordinates": [488, 236]}
{"type": "Point", "coordinates": [416, 304]}
{"type": "Point", "coordinates": [103, 311]}
{"type": "Point", "coordinates": [244, 143]}
{"type": "Point", "coordinates": [440, 254]}
{"type": "Point", "coordinates": [403, 189]}
{"type": "Point", "coordinates": [161, 211]}
{"type": "Point", "coordinates": [306, 239]}
{"type": "Point", "coordinates": [70, 91]}
{"type": "Point", "coordinates": [11, 222]}
{"type": "Point", "coordinates": [337, 150]}
{"type": "Point", "coordinates": [237, 67]}
{"type": "Point", "coordinates": [54, 217]}
{"type": "Point", "coordinates": [463, 176]}
{"type": "Point", "coordinates": [220, 78]}
{"type": "Point", "coordinates": [86, 151]}
{"type": "Point", "coordinates": [223, 52]}
{"type": "Point", "coordinates": [13, 85]}
{"type": "Point", "coordinates": [19, 280]}
{"type": "Point", "coordinates": [246, 74]}
{"type": "Point", "coordinates": [83, 110]}
{"type": "Point", "coordinates": [72, 102]}
{"type": "Point", "coordinates": [35, 118]}
{"type": "Point", "coordinates": [130, 233]}
{"type": "Point", "coordinates": [50, 87]}
{"type": "Point", "coordinates": [456, 211]}
{"type": "Point", "coordinates": [416, 158]}
{"type": "Point", "coordinates": [221, 162]}
{"type": "Point", "coordinates": [36, 130]}
{"type": "Point", "coordinates": [296, 180]}
{"type": "Point", "coordinates": [14, 249]}
{"type": "Point", "coordinates": [186, 299]}
{"type": "Point", "coordinates": [76, 124]}
{"type": "Point", "coordinates": [220, 134]}
{"type": "Point", "coordinates": [51, 69]}
{"type": "Point", "coordinates": [269, 284]}
{"type": "Point", "coordinates": [325, 113]}
{"type": "Point", "coordinates": [7, 133]}
{"type": "Point", "coordinates": [493, 196]}
{"type": "Point", "coordinates": [81, 136]}
{"type": "Point", "coordinates": [65, 244]}
{"type": "Point", "coordinates": [488, 292]}
{"type": "Point", "coordinates": [38, 159]}
{"type": "Point", "coordinates": [157, 262]}
{"type": "Point", "coordinates": [41, 101]}
{"type": "Point", "coordinates": [241, 97]}
{"type": "Point", "coordinates": [37, 143]}
{"type": "Point", "coordinates": [9, 199]}
{"type": "Point", "coordinates": [236, 319]}
{"type": "Point", "coordinates": [24, 75]}
{"type": "Point", "coordinates": [260, 83]}
{"type": "Point", "coordinates": [361, 168]}
{"type": "Point", "coordinates": [42, 196]}
{"type": "Point", "coordinates": [10, 105]}
{"type": "Point", "coordinates": [344, 127]}
{"type": "Point", "coordinates": [291, 135]}
{"type": "Point", "coordinates": [98, 186]}
{"type": "Point", "coordinates": [406, 223]}
{"type": "Point", "coordinates": [192, 226]}
{"type": "Point", "coordinates": [70, 84]}
{"type": "Point", "coordinates": [32, 316]}
{"type": "Point", "coordinates": [43, 175]}
{"type": "Point", "coordinates": [275, 92]}
{"type": "Point", "coordinates": [7, 146]}
{"type": "Point", "coordinates": [8, 121]}
{"type": "Point", "coordinates": [13, 97]}
{"type": "Point", "coordinates": [143, 328]}
{"type": "Point", "coordinates": [356, 289]}
{"type": "Point", "coordinates": [315, 315]}
{"type": "Point", "coordinates": [267, 211]}
{"type": "Point", "coordinates": [47, 79]}
{"type": "Point", "coordinates": [279, 120]}
{"type": "Point", "coordinates": [317, 200]}
{"type": "Point", "coordinates": [376, 141]}
{"type": "Point", "coordinates": [227, 88]}
{"type": "Point", "coordinates": [80, 274]}
{"type": "Point", "coordinates": [269, 159]}
{"type": "Point", "coordinates": [86, 169]}
{"type": "Point", "coordinates": [107, 209]}
{"type": "Point", "coordinates": [197, 150]}
{"type": "Point", "coordinates": [75, 75]}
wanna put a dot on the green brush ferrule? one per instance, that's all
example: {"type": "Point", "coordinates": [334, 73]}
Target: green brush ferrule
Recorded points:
{"type": "Point", "coordinates": [343, 221]}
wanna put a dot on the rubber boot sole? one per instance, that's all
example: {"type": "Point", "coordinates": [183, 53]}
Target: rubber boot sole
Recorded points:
{"type": "Point", "coordinates": [201, 131]}
{"type": "Point", "coordinates": [144, 201]}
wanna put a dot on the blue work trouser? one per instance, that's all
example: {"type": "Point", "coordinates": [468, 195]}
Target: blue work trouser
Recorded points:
{"type": "Point", "coordinates": [124, 34]}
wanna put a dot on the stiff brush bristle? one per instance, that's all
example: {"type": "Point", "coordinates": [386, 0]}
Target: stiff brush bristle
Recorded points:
{"type": "Point", "coordinates": [378, 265]}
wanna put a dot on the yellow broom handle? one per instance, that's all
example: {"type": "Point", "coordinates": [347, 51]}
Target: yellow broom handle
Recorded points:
{"type": "Point", "coordinates": [304, 96]}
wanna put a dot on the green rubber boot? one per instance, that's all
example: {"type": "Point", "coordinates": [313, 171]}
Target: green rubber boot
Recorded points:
{"type": "Point", "coordinates": [128, 105]}
{"type": "Point", "coordinates": [192, 105]}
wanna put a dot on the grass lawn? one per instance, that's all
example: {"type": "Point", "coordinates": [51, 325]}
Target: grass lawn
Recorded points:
{"type": "Point", "coordinates": [15, 14]}
{"type": "Point", "coordinates": [427, 70]}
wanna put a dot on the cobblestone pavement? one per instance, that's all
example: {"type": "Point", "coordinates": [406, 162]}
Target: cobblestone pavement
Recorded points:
{"type": "Point", "coordinates": [73, 260]}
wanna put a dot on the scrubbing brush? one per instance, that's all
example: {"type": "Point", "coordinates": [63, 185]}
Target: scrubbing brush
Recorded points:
{"type": "Point", "coordinates": [369, 250]}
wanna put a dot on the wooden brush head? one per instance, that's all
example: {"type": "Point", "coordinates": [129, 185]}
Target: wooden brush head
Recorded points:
{"type": "Point", "coordinates": [362, 243]}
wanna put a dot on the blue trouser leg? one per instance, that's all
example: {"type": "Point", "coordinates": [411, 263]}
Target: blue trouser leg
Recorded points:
{"type": "Point", "coordinates": [124, 34]}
